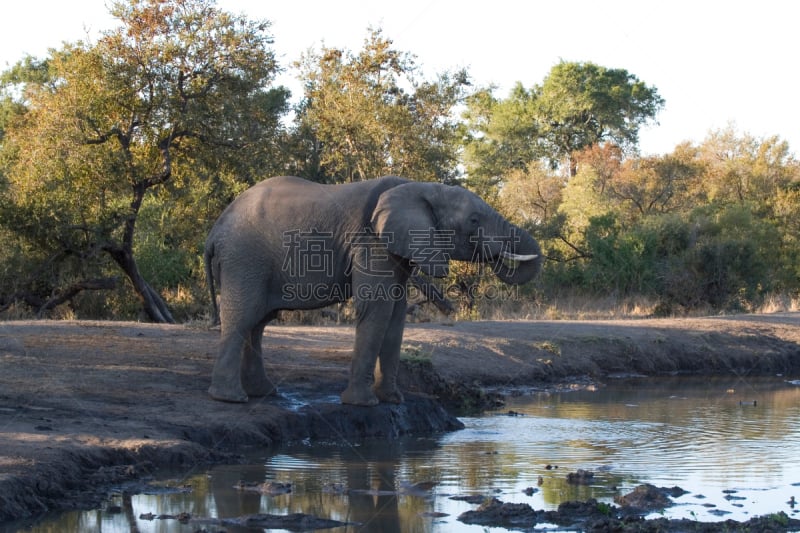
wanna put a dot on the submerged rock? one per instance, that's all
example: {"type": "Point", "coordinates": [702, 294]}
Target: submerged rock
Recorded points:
{"type": "Point", "coordinates": [649, 497]}
{"type": "Point", "coordinates": [495, 513]}
{"type": "Point", "coordinates": [292, 522]}
{"type": "Point", "coordinates": [470, 498]}
{"type": "Point", "coordinates": [271, 488]}
{"type": "Point", "coordinates": [581, 477]}
{"type": "Point", "coordinates": [295, 521]}
{"type": "Point", "coordinates": [601, 517]}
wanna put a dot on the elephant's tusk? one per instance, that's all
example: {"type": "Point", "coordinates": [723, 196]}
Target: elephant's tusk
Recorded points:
{"type": "Point", "coordinates": [518, 257]}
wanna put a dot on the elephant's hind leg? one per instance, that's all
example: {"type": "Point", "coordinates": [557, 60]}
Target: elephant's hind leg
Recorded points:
{"type": "Point", "coordinates": [244, 311]}
{"type": "Point", "coordinates": [254, 377]}
{"type": "Point", "coordinates": [235, 342]}
{"type": "Point", "coordinates": [226, 383]}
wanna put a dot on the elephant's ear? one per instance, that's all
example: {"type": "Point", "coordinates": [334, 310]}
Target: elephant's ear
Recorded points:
{"type": "Point", "coordinates": [405, 219]}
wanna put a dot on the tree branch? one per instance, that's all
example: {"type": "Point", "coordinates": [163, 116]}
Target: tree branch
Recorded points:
{"type": "Point", "coordinates": [432, 294]}
{"type": "Point", "coordinates": [97, 284]}
{"type": "Point", "coordinates": [580, 253]}
{"type": "Point", "coordinates": [40, 305]}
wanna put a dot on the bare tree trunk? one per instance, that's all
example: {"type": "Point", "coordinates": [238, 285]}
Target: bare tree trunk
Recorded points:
{"type": "Point", "coordinates": [152, 303]}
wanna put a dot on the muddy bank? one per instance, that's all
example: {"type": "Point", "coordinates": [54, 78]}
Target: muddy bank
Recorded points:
{"type": "Point", "coordinates": [84, 405]}
{"type": "Point", "coordinates": [53, 461]}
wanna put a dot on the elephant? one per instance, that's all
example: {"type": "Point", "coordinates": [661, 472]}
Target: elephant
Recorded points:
{"type": "Point", "coordinates": [289, 243]}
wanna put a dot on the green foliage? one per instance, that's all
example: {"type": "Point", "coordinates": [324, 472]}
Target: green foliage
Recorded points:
{"type": "Point", "coordinates": [719, 258]}
{"type": "Point", "coordinates": [578, 106]}
{"type": "Point", "coordinates": [621, 261]}
{"type": "Point", "coordinates": [415, 355]}
{"type": "Point", "coordinates": [711, 226]}
{"type": "Point", "coordinates": [583, 104]}
{"type": "Point", "coordinates": [732, 257]}
{"type": "Point", "coordinates": [176, 96]}
{"type": "Point", "coordinates": [36, 282]}
{"type": "Point", "coordinates": [605, 508]}
{"type": "Point", "coordinates": [742, 168]}
{"type": "Point", "coordinates": [367, 115]}
{"type": "Point", "coordinates": [781, 519]}
{"type": "Point", "coordinates": [501, 136]}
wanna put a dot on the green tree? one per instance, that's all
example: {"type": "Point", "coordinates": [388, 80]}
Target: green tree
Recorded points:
{"type": "Point", "coordinates": [531, 197]}
{"type": "Point", "coordinates": [583, 104]}
{"type": "Point", "coordinates": [501, 136]}
{"type": "Point", "coordinates": [577, 106]}
{"type": "Point", "coordinates": [177, 94]}
{"type": "Point", "coordinates": [365, 115]}
{"type": "Point", "coordinates": [640, 186]}
{"type": "Point", "coordinates": [741, 168]}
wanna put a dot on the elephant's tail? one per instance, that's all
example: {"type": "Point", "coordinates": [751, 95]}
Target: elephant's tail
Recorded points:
{"type": "Point", "coordinates": [209, 263]}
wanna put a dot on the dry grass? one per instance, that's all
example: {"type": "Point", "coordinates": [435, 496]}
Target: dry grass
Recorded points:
{"type": "Point", "coordinates": [566, 306]}
{"type": "Point", "coordinates": [779, 303]}
{"type": "Point", "coordinates": [572, 307]}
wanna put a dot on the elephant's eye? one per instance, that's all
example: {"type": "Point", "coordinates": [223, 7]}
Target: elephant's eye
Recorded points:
{"type": "Point", "coordinates": [474, 221]}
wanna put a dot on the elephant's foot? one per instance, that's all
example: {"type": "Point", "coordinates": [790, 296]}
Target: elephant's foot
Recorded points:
{"type": "Point", "coordinates": [389, 395]}
{"type": "Point", "coordinates": [359, 396]}
{"type": "Point", "coordinates": [227, 394]}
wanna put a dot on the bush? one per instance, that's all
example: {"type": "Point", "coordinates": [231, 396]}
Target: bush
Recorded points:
{"type": "Point", "coordinates": [621, 261]}
{"type": "Point", "coordinates": [725, 258]}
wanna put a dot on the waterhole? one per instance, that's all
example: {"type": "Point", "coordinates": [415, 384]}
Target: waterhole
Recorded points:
{"type": "Point", "coordinates": [732, 443]}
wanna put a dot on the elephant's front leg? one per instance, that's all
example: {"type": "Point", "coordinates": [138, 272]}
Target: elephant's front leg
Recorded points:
{"type": "Point", "coordinates": [389, 357]}
{"type": "Point", "coordinates": [372, 320]}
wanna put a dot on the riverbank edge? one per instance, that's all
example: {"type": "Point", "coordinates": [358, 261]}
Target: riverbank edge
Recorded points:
{"type": "Point", "coordinates": [82, 477]}
{"type": "Point", "coordinates": [59, 469]}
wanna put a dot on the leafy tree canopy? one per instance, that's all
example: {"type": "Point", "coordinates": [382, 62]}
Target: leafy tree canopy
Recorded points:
{"type": "Point", "coordinates": [501, 135]}
{"type": "Point", "coordinates": [577, 106]}
{"type": "Point", "coordinates": [583, 104]}
{"type": "Point", "coordinates": [177, 94]}
{"type": "Point", "coordinates": [369, 114]}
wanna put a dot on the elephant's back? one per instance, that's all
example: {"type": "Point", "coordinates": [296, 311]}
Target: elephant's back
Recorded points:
{"type": "Point", "coordinates": [322, 206]}
{"type": "Point", "coordinates": [301, 189]}
{"type": "Point", "coordinates": [267, 199]}
{"type": "Point", "coordinates": [275, 207]}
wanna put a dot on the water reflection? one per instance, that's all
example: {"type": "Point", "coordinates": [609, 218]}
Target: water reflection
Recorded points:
{"type": "Point", "coordinates": [705, 436]}
{"type": "Point", "coordinates": [369, 484]}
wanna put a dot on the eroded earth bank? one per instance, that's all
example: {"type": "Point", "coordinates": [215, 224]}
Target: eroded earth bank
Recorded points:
{"type": "Point", "coordinates": [87, 405]}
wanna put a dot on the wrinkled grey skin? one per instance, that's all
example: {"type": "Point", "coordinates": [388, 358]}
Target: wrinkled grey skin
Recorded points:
{"type": "Point", "coordinates": [288, 243]}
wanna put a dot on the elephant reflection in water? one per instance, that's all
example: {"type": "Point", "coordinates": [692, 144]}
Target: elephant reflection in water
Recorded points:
{"type": "Point", "coordinates": [372, 497]}
{"type": "Point", "coordinates": [368, 489]}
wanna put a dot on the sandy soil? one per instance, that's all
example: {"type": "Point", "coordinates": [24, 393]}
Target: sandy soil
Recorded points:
{"type": "Point", "coordinates": [87, 404]}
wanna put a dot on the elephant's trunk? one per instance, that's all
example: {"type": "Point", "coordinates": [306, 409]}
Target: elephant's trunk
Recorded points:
{"type": "Point", "coordinates": [520, 260]}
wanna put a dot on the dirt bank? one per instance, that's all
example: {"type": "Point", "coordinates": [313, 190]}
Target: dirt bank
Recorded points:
{"type": "Point", "coordinates": [87, 404]}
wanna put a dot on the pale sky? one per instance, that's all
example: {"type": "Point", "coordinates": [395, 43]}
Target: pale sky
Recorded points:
{"type": "Point", "coordinates": [714, 62]}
